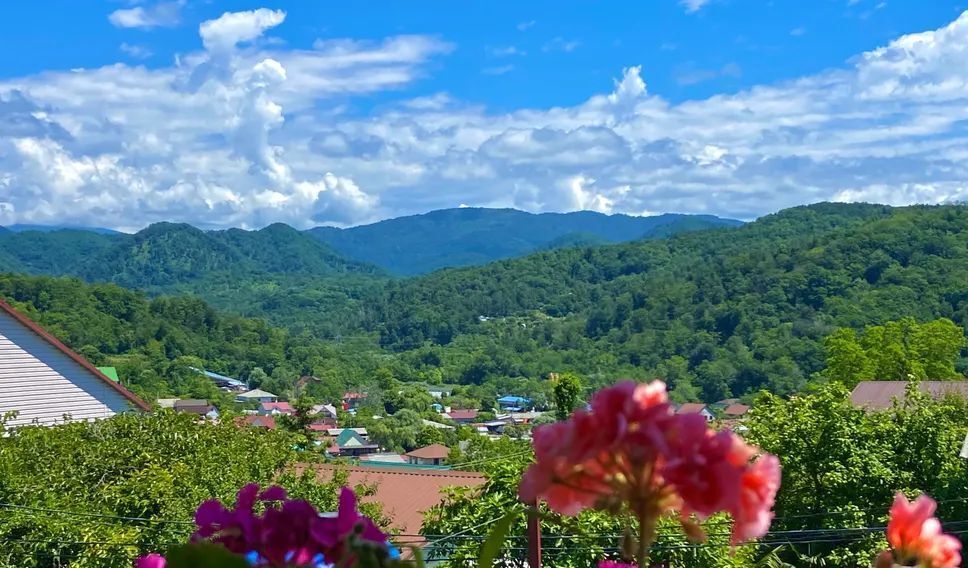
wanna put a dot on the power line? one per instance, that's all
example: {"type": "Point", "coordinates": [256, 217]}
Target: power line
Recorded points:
{"type": "Point", "coordinates": [92, 515]}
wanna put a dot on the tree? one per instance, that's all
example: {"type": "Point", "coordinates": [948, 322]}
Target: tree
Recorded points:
{"type": "Point", "coordinates": [898, 350]}
{"type": "Point", "coordinates": [842, 464]}
{"type": "Point", "coordinates": [567, 393]}
{"type": "Point", "coordinates": [80, 488]}
{"type": "Point", "coordinates": [847, 361]}
{"type": "Point", "coordinates": [299, 422]}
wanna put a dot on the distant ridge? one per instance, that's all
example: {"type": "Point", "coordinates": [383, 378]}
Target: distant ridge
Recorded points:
{"type": "Point", "coordinates": [469, 236]}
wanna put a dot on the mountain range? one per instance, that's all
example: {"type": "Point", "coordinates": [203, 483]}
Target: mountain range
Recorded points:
{"type": "Point", "coordinates": [471, 236]}
{"type": "Point", "coordinates": [166, 254]}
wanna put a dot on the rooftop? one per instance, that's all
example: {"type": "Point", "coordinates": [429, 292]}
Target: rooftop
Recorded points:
{"type": "Point", "coordinates": [691, 408]}
{"type": "Point", "coordinates": [431, 452]}
{"type": "Point", "coordinates": [736, 410]}
{"type": "Point", "coordinates": [405, 494]}
{"type": "Point", "coordinates": [462, 414]}
{"type": "Point", "coordinates": [256, 393]}
{"type": "Point", "coordinates": [880, 395]}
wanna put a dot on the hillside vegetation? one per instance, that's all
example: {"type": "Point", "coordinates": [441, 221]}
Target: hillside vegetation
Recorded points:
{"type": "Point", "coordinates": [473, 236]}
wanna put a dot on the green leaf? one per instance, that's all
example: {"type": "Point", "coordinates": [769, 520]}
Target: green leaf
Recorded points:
{"type": "Point", "coordinates": [495, 541]}
{"type": "Point", "coordinates": [203, 555]}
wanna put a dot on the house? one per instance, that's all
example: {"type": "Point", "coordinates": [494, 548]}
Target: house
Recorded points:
{"type": "Point", "coordinates": [387, 458]}
{"type": "Point", "coordinates": [735, 410]}
{"type": "Point", "coordinates": [336, 432]}
{"type": "Point", "coordinates": [353, 400]}
{"type": "Point", "coordinates": [403, 493]}
{"type": "Point", "coordinates": [199, 407]}
{"type": "Point", "coordinates": [434, 454]}
{"type": "Point", "coordinates": [695, 408]}
{"type": "Point", "coordinates": [326, 410]}
{"type": "Point", "coordinates": [349, 443]}
{"type": "Point", "coordinates": [880, 395]}
{"type": "Point", "coordinates": [462, 416]}
{"type": "Point", "coordinates": [256, 395]}
{"type": "Point", "coordinates": [275, 408]}
{"type": "Point", "coordinates": [437, 425]}
{"type": "Point", "coordinates": [223, 382]}
{"type": "Point", "coordinates": [268, 422]}
{"type": "Point", "coordinates": [513, 403]}
{"type": "Point", "coordinates": [525, 417]}
{"type": "Point", "coordinates": [42, 380]}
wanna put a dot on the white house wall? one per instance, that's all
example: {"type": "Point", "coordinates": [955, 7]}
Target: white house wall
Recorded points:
{"type": "Point", "coordinates": [42, 384]}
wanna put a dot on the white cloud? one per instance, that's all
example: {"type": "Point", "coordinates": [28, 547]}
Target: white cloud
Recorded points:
{"type": "Point", "coordinates": [798, 31]}
{"type": "Point", "coordinates": [232, 28]}
{"type": "Point", "coordinates": [244, 136]}
{"type": "Point", "coordinates": [162, 14]}
{"type": "Point", "coordinates": [561, 44]}
{"type": "Point", "coordinates": [524, 26]}
{"type": "Point", "coordinates": [693, 5]}
{"type": "Point", "coordinates": [136, 51]}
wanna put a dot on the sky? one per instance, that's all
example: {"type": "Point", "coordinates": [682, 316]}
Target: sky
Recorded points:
{"type": "Point", "coordinates": [122, 113]}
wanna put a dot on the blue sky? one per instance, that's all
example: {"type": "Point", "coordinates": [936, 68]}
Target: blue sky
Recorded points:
{"type": "Point", "coordinates": [244, 113]}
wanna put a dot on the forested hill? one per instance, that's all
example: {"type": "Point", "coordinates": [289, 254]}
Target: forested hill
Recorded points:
{"type": "Point", "coordinates": [155, 343]}
{"type": "Point", "coordinates": [473, 236]}
{"type": "Point", "coordinates": [732, 312]}
{"type": "Point", "coordinates": [166, 254]}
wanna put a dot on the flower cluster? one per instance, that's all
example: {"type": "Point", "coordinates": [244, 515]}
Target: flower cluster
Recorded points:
{"type": "Point", "coordinates": [288, 532]}
{"type": "Point", "coordinates": [630, 449]}
{"type": "Point", "coordinates": [915, 536]}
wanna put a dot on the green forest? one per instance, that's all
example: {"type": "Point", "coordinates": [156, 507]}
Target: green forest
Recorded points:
{"type": "Point", "coordinates": [719, 313]}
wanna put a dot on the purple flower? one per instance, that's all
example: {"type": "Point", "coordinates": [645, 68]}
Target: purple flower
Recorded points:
{"type": "Point", "coordinates": [151, 561]}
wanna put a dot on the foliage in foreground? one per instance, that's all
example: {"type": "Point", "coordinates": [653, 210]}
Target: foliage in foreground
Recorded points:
{"type": "Point", "coordinates": [100, 493]}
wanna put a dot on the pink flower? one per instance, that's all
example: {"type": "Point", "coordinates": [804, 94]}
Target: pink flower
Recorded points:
{"type": "Point", "coordinates": [699, 469]}
{"type": "Point", "coordinates": [630, 450]}
{"type": "Point", "coordinates": [915, 534]}
{"type": "Point", "coordinates": [758, 486]}
{"type": "Point", "coordinates": [151, 561]}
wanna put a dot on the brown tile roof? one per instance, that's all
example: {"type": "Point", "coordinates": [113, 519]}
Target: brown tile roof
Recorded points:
{"type": "Point", "coordinates": [691, 408]}
{"type": "Point", "coordinates": [431, 452]}
{"type": "Point", "coordinates": [878, 395]}
{"type": "Point", "coordinates": [736, 410]}
{"type": "Point", "coordinates": [263, 421]}
{"type": "Point", "coordinates": [34, 327]}
{"type": "Point", "coordinates": [462, 414]}
{"type": "Point", "coordinates": [404, 494]}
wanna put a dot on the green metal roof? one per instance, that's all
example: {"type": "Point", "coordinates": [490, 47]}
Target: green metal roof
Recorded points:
{"type": "Point", "coordinates": [110, 372]}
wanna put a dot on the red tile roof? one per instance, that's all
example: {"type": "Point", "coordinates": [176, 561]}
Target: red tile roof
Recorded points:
{"type": "Point", "coordinates": [405, 494]}
{"type": "Point", "coordinates": [431, 452]}
{"type": "Point", "coordinates": [691, 408]}
{"type": "Point", "coordinates": [462, 414]}
{"type": "Point", "coordinates": [34, 327]}
{"type": "Point", "coordinates": [263, 421]}
{"type": "Point", "coordinates": [736, 410]}
{"type": "Point", "coordinates": [878, 395]}
{"type": "Point", "coordinates": [283, 407]}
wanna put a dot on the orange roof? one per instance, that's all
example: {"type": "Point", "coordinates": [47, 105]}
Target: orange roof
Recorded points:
{"type": "Point", "coordinates": [264, 421]}
{"type": "Point", "coordinates": [691, 408]}
{"type": "Point", "coordinates": [736, 410]}
{"type": "Point", "coordinates": [404, 494]}
{"type": "Point", "coordinates": [431, 452]}
{"type": "Point", "coordinates": [34, 327]}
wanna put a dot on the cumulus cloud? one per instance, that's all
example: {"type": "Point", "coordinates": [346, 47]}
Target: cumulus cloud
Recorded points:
{"type": "Point", "coordinates": [162, 14]}
{"type": "Point", "coordinates": [244, 132]}
{"type": "Point", "coordinates": [232, 28]}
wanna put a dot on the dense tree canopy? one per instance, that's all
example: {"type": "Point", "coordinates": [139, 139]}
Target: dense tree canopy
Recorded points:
{"type": "Point", "coordinates": [97, 494]}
